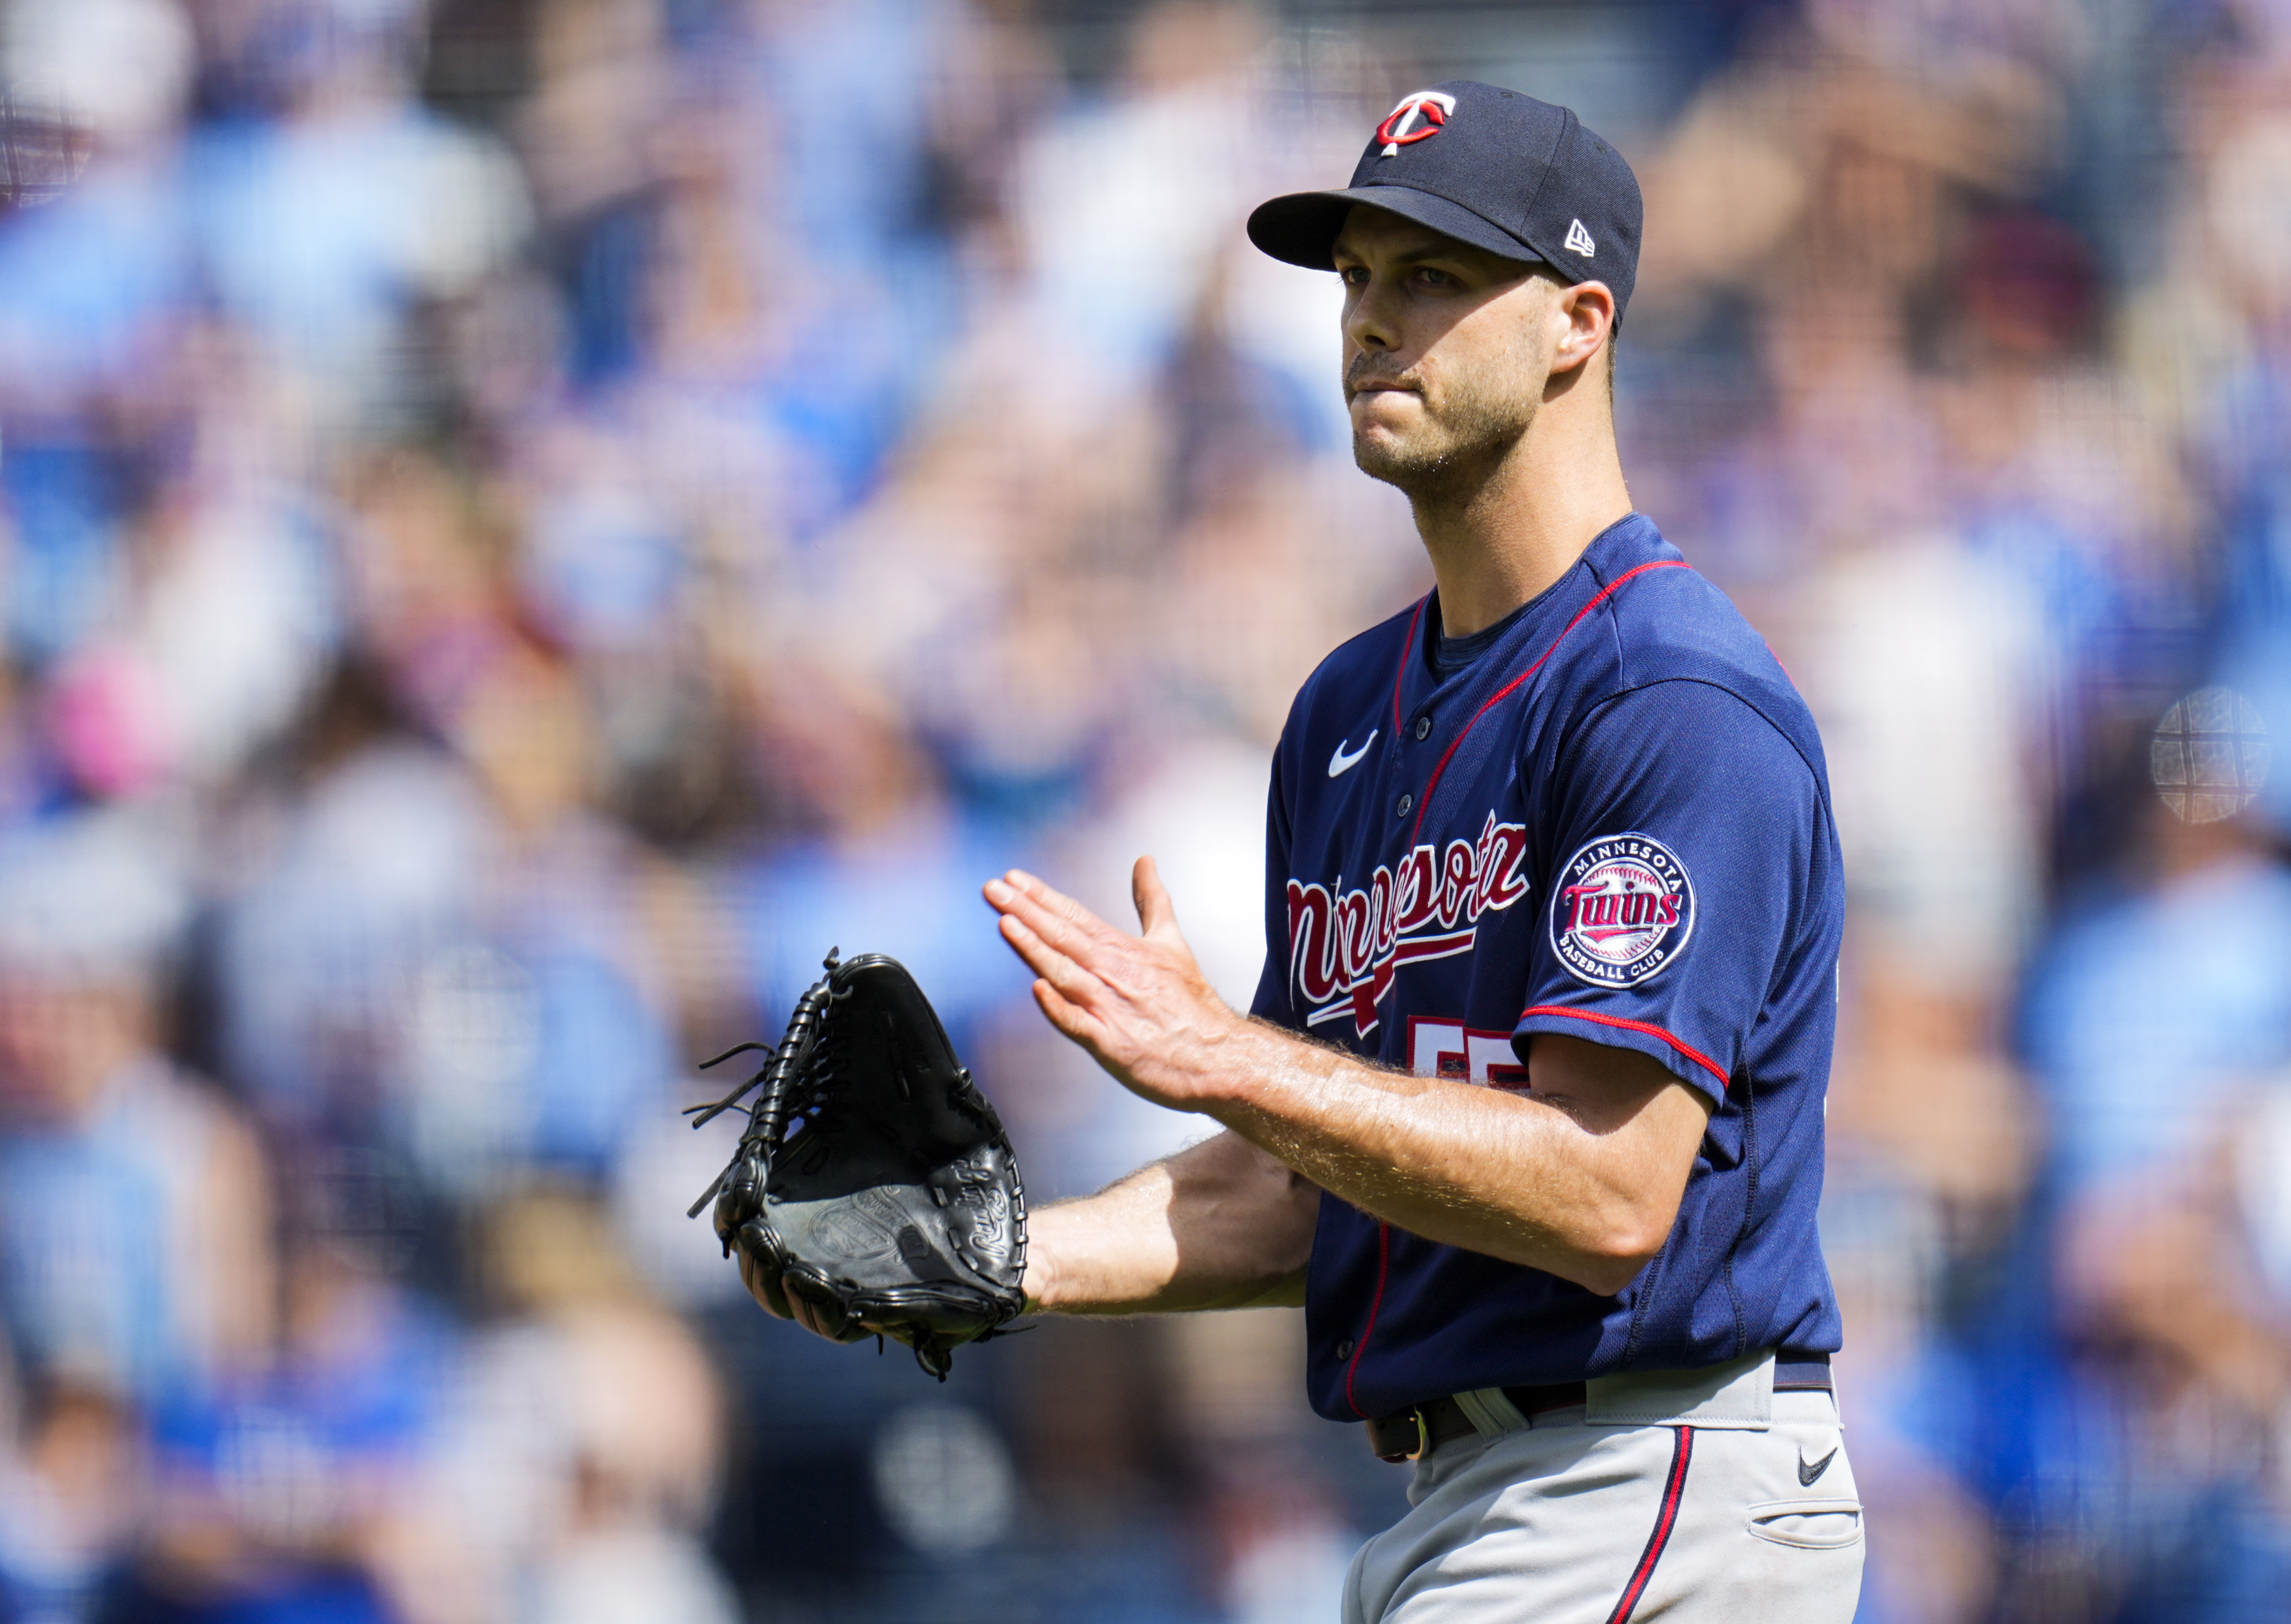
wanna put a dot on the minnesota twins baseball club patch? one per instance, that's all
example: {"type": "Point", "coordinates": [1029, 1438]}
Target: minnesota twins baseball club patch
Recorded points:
{"type": "Point", "coordinates": [1623, 909]}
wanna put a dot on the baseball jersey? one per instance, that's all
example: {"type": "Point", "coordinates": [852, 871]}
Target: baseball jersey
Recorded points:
{"type": "Point", "coordinates": [1614, 823]}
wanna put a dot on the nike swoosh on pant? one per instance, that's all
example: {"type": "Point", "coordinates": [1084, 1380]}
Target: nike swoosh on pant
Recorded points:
{"type": "Point", "coordinates": [1808, 1474]}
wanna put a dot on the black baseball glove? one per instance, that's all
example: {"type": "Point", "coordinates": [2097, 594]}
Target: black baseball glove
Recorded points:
{"type": "Point", "coordinates": [874, 1192]}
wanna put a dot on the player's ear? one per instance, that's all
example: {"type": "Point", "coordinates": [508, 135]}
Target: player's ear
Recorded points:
{"type": "Point", "coordinates": [1584, 313]}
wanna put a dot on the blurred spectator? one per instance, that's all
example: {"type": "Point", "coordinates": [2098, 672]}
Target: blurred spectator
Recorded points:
{"type": "Point", "coordinates": [134, 1202]}
{"type": "Point", "coordinates": [286, 1494]}
{"type": "Point", "coordinates": [879, 858]}
{"type": "Point", "coordinates": [73, 1495]}
{"type": "Point", "coordinates": [2172, 1379]}
{"type": "Point", "coordinates": [326, 215]}
{"type": "Point", "coordinates": [1122, 206]}
{"type": "Point", "coordinates": [586, 1437]}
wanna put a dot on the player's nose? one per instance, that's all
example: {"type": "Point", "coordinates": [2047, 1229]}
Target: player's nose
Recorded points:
{"type": "Point", "coordinates": [1371, 321]}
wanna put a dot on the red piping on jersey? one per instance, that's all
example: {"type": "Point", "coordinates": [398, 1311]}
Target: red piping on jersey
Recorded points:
{"type": "Point", "coordinates": [1673, 1491]}
{"type": "Point", "coordinates": [1604, 593]}
{"type": "Point", "coordinates": [1383, 1268]}
{"type": "Point", "coordinates": [1413, 622]}
{"type": "Point", "coordinates": [1688, 1049]}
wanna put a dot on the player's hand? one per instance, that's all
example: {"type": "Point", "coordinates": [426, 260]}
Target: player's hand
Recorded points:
{"type": "Point", "coordinates": [1139, 1004]}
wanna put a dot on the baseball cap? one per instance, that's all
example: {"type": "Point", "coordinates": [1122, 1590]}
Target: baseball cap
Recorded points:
{"type": "Point", "coordinates": [1492, 167]}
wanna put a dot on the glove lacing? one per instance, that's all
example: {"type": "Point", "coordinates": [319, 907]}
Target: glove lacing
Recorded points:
{"type": "Point", "coordinates": [803, 1058]}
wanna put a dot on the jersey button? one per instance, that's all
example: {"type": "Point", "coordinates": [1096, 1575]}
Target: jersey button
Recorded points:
{"type": "Point", "coordinates": [1345, 1349]}
{"type": "Point", "coordinates": [1423, 728]}
{"type": "Point", "coordinates": [1406, 801]}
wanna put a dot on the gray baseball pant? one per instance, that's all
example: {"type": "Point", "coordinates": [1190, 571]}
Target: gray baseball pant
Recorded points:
{"type": "Point", "coordinates": [1695, 1497]}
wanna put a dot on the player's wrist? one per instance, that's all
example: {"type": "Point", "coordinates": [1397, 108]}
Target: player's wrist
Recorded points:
{"type": "Point", "coordinates": [1233, 1065]}
{"type": "Point", "coordinates": [1031, 1286]}
{"type": "Point", "coordinates": [1039, 1283]}
{"type": "Point", "coordinates": [1208, 1068]}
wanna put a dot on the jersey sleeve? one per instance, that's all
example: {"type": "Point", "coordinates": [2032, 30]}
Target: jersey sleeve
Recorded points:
{"type": "Point", "coordinates": [1273, 1002]}
{"type": "Point", "coordinates": [1686, 832]}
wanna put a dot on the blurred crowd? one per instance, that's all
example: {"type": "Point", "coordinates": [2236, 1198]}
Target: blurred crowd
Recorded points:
{"type": "Point", "coordinates": [525, 522]}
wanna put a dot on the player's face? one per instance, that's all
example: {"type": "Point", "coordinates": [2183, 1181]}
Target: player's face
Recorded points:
{"type": "Point", "coordinates": [1447, 348]}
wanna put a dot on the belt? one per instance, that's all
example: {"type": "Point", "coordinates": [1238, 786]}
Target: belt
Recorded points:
{"type": "Point", "coordinates": [1410, 1434]}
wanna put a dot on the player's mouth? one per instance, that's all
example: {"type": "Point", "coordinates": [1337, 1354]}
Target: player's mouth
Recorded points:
{"type": "Point", "coordinates": [1359, 381]}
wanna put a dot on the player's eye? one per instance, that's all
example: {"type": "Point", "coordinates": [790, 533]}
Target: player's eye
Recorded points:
{"type": "Point", "coordinates": [1434, 278]}
{"type": "Point", "coordinates": [1354, 276]}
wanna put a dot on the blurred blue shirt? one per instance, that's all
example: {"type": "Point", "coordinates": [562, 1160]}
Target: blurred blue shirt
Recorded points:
{"type": "Point", "coordinates": [2149, 1009]}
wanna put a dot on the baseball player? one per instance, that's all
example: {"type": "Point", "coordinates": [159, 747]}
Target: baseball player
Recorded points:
{"type": "Point", "coordinates": [1528, 1109]}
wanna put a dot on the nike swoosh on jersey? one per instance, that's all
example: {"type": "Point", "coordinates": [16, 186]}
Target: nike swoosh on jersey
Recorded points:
{"type": "Point", "coordinates": [1342, 763]}
{"type": "Point", "coordinates": [1808, 1474]}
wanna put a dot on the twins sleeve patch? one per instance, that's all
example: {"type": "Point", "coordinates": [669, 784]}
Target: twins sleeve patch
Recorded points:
{"type": "Point", "coordinates": [1622, 910]}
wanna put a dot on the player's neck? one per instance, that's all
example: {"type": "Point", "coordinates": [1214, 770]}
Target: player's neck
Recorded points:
{"type": "Point", "coordinates": [1499, 539]}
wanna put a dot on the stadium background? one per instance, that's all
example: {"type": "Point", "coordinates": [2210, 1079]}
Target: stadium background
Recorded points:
{"type": "Point", "coordinates": [523, 522]}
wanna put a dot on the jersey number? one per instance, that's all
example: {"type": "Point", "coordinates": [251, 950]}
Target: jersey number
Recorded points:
{"type": "Point", "coordinates": [1451, 1050]}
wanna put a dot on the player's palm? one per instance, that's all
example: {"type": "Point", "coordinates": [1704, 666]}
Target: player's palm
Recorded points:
{"type": "Point", "coordinates": [1139, 1004]}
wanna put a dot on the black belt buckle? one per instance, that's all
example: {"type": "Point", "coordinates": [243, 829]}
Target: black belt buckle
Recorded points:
{"type": "Point", "coordinates": [1396, 1438]}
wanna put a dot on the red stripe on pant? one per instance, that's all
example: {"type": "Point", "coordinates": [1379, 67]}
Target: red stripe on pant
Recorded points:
{"type": "Point", "coordinates": [1674, 1490]}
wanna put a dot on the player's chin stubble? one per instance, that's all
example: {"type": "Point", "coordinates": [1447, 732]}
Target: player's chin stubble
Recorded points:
{"type": "Point", "coordinates": [1447, 455]}
{"type": "Point", "coordinates": [1452, 448]}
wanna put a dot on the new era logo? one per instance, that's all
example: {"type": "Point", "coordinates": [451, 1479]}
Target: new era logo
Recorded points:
{"type": "Point", "coordinates": [1579, 240]}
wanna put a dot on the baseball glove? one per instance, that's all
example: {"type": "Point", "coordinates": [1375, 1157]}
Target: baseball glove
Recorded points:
{"type": "Point", "coordinates": [874, 1192]}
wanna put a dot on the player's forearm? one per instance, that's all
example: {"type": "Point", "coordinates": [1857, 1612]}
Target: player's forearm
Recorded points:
{"type": "Point", "coordinates": [1583, 1180]}
{"type": "Point", "coordinates": [1511, 1177]}
{"type": "Point", "coordinates": [1220, 1225]}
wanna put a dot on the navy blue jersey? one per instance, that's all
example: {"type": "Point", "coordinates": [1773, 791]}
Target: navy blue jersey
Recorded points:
{"type": "Point", "coordinates": [1614, 825]}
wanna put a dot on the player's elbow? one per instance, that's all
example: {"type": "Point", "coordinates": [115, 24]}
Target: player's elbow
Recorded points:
{"type": "Point", "coordinates": [1611, 1257]}
{"type": "Point", "coordinates": [1607, 1273]}
{"type": "Point", "coordinates": [1601, 1244]}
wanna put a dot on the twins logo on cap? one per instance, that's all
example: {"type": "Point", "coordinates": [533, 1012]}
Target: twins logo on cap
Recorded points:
{"type": "Point", "coordinates": [1420, 117]}
{"type": "Point", "coordinates": [1623, 909]}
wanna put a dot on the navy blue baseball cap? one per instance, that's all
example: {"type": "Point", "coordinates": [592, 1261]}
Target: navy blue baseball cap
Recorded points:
{"type": "Point", "coordinates": [1491, 167]}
